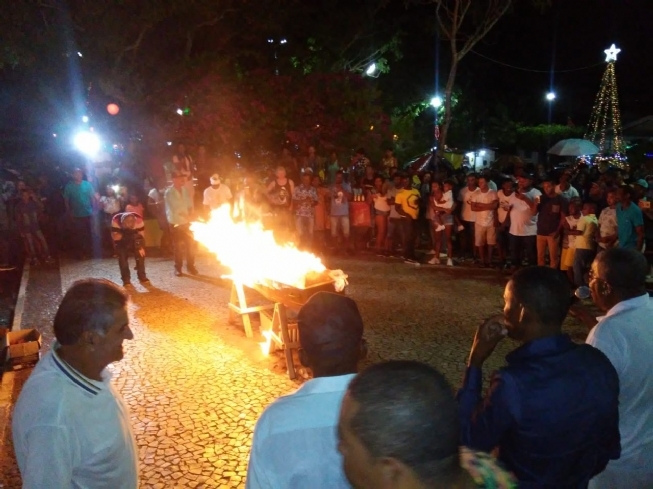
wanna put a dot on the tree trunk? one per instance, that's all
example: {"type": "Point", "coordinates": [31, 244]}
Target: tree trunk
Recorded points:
{"type": "Point", "coordinates": [447, 104]}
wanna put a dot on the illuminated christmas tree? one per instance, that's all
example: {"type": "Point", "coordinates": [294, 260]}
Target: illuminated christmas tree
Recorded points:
{"type": "Point", "coordinates": [604, 128]}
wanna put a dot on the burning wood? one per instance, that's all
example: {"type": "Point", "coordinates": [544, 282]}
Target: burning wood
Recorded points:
{"type": "Point", "coordinates": [254, 257]}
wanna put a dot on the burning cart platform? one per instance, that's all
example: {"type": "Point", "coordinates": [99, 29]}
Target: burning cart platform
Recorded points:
{"type": "Point", "coordinates": [277, 327]}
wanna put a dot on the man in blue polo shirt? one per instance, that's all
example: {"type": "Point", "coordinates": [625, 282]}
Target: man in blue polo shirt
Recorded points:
{"type": "Point", "coordinates": [80, 197]}
{"type": "Point", "coordinates": [630, 221]}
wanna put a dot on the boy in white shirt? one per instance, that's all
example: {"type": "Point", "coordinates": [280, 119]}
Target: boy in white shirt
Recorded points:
{"type": "Point", "coordinates": [445, 203]}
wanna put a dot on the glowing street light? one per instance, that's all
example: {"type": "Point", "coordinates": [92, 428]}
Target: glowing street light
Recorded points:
{"type": "Point", "coordinates": [85, 119]}
{"type": "Point", "coordinates": [180, 112]}
{"type": "Point", "coordinates": [436, 101]}
{"type": "Point", "coordinates": [371, 69]}
{"type": "Point", "coordinates": [87, 142]}
{"type": "Point", "coordinates": [550, 96]}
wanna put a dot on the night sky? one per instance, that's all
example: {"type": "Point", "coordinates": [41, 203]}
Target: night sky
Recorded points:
{"type": "Point", "coordinates": [570, 34]}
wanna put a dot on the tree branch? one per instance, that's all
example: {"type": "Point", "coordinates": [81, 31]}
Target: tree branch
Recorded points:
{"type": "Point", "coordinates": [134, 47]}
{"type": "Point", "coordinates": [191, 32]}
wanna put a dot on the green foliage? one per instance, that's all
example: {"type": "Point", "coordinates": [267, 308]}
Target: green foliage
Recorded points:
{"type": "Point", "coordinates": [538, 138]}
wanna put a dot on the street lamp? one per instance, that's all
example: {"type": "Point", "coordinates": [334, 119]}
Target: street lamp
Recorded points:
{"type": "Point", "coordinates": [87, 143]}
{"type": "Point", "coordinates": [436, 101]}
{"type": "Point", "coordinates": [550, 96]}
{"type": "Point", "coordinates": [180, 112]}
{"type": "Point", "coordinates": [371, 69]}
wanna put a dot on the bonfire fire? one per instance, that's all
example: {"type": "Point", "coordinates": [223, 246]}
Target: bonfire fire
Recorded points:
{"type": "Point", "coordinates": [253, 255]}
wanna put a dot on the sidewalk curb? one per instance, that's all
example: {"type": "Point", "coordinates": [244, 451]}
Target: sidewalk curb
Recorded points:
{"type": "Point", "coordinates": [8, 378]}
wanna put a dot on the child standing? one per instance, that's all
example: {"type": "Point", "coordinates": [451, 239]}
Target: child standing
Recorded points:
{"type": "Point", "coordinates": [569, 239]}
{"type": "Point", "coordinates": [135, 206]}
{"type": "Point", "coordinates": [585, 243]}
{"type": "Point", "coordinates": [27, 218]}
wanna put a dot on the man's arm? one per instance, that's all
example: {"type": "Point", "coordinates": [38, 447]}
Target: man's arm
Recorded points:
{"type": "Point", "coordinates": [640, 237]}
{"type": "Point", "coordinates": [49, 461]}
{"type": "Point", "coordinates": [484, 421]}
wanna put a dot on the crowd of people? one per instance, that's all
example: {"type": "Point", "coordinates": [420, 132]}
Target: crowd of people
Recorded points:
{"type": "Point", "coordinates": [558, 415]}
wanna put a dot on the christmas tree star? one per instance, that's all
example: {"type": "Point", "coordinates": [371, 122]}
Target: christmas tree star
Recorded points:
{"type": "Point", "coordinates": [611, 53]}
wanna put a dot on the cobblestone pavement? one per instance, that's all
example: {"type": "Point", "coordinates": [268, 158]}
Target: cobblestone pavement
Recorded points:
{"type": "Point", "coordinates": [196, 386]}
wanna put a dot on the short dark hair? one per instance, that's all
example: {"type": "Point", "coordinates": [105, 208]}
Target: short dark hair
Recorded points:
{"type": "Point", "coordinates": [472, 174]}
{"type": "Point", "coordinates": [627, 189]}
{"type": "Point", "coordinates": [406, 410]}
{"type": "Point", "coordinates": [89, 305]}
{"type": "Point", "coordinates": [330, 329]}
{"type": "Point", "coordinates": [544, 291]}
{"type": "Point", "coordinates": [625, 270]}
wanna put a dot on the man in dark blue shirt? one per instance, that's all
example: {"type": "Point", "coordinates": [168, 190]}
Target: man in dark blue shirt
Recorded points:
{"type": "Point", "coordinates": [552, 412]}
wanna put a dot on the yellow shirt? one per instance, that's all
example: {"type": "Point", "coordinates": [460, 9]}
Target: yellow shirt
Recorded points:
{"type": "Point", "coordinates": [588, 225]}
{"type": "Point", "coordinates": [409, 201]}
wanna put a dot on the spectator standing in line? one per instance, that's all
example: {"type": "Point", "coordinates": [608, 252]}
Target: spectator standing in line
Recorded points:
{"type": "Point", "coordinates": [279, 192]}
{"type": "Point", "coordinates": [553, 411]}
{"type": "Point", "coordinates": [179, 212]}
{"type": "Point", "coordinates": [295, 443]}
{"type": "Point", "coordinates": [446, 216]}
{"type": "Point", "coordinates": [184, 165]}
{"type": "Point", "coordinates": [4, 234]}
{"type": "Point", "coordinates": [630, 221]}
{"type": "Point", "coordinates": [80, 199]}
{"type": "Point", "coordinates": [320, 210]}
{"type": "Point", "coordinates": [597, 195]}
{"type": "Point", "coordinates": [407, 206]}
{"type": "Point", "coordinates": [585, 243]}
{"type": "Point", "coordinates": [332, 168]}
{"type": "Point", "coordinates": [389, 162]}
{"type": "Point", "coordinates": [128, 234]}
{"type": "Point", "coordinates": [394, 219]}
{"type": "Point", "coordinates": [27, 218]}
{"type": "Point", "coordinates": [565, 189]}
{"type": "Point", "coordinates": [551, 209]}
{"type": "Point", "coordinates": [523, 221]}
{"type": "Point", "coordinates": [70, 426]}
{"type": "Point", "coordinates": [398, 429]}
{"type": "Point", "coordinates": [484, 205]}
{"type": "Point", "coordinates": [381, 208]}
{"type": "Point", "coordinates": [134, 205]}
{"type": "Point", "coordinates": [340, 193]}
{"type": "Point", "coordinates": [625, 336]}
{"type": "Point", "coordinates": [54, 208]}
{"type": "Point", "coordinates": [644, 203]}
{"type": "Point", "coordinates": [156, 206]}
{"type": "Point", "coordinates": [606, 236]}
{"type": "Point", "coordinates": [503, 219]}
{"type": "Point", "coordinates": [305, 199]}
{"type": "Point", "coordinates": [216, 195]}
{"type": "Point", "coordinates": [467, 215]}
{"type": "Point", "coordinates": [569, 226]}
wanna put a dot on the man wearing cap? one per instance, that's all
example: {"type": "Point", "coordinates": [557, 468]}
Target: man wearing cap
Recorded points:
{"type": "Point", "coordinates": [295, 440]}
{"type": "Point", "coordinates": [216, 195]}
{"type": "Point", "coordinates": [179, 212]}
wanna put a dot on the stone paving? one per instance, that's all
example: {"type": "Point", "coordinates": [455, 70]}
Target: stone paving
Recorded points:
{"type": "Point", "coordinates": [196, 386]}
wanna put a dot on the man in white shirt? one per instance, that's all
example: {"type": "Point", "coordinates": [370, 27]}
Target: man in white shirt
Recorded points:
{"type": "Point", "coordinates": [70, 426]}
{"type": "Point", "coordinates": [467, 215]}
{"type": "Point", "coordinates": [607, 232]}
{"type": "Point", "coordinates": [523, 221]}
{"type": "Point", "coordinates": [295, 440]}
{"type": "Point", "coordinates": [216, 195]}
{"type": "Point", "coordinates": [625, 335]}
{"type": "Point", "coordinates": [484, 204]}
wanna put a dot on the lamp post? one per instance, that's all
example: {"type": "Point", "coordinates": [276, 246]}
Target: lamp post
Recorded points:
{"type": "Point", "coordinates": [436, 103]}
{"type": "Point", "coordinates": [550, 98]}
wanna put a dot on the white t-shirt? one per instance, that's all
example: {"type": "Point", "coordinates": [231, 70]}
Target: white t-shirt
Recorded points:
{"type": "Point", "coordinates": [625, 335]}
{"type": "Point", "coordinates": [447, 200]}
{"type": "Point", "coordinates": [295, 440]}
{"type": "Point", "coordinates": [467, 214]}
{"type": "Point", "coordinates": [570, 193]}
{"type": "Point", "coordinates": [569, 241]}
{"type": "Point", "coordinates": [110, 205]}
{"type": "Point", "coordinates": [504, 206]}
{"type": "Point", "coordinates": [381, 202]}
{"type": "Point", "coordinates": [215, 197]}
{"type": "Point", "coordinates": [71, 431]}
{"type": "Point", "coordinates": [484, 218]}
{"type": "Point", "coordinates": [522, 221]}
{"type": "Point", "coordinates": [607, 223]}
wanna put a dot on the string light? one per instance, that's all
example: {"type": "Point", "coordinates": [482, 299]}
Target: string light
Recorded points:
{"type": "Point", "coordinates": [606, 116]}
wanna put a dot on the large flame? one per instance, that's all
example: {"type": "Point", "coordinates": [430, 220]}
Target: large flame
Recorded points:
{"type": "Point", "coordinates": [251, 252]}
